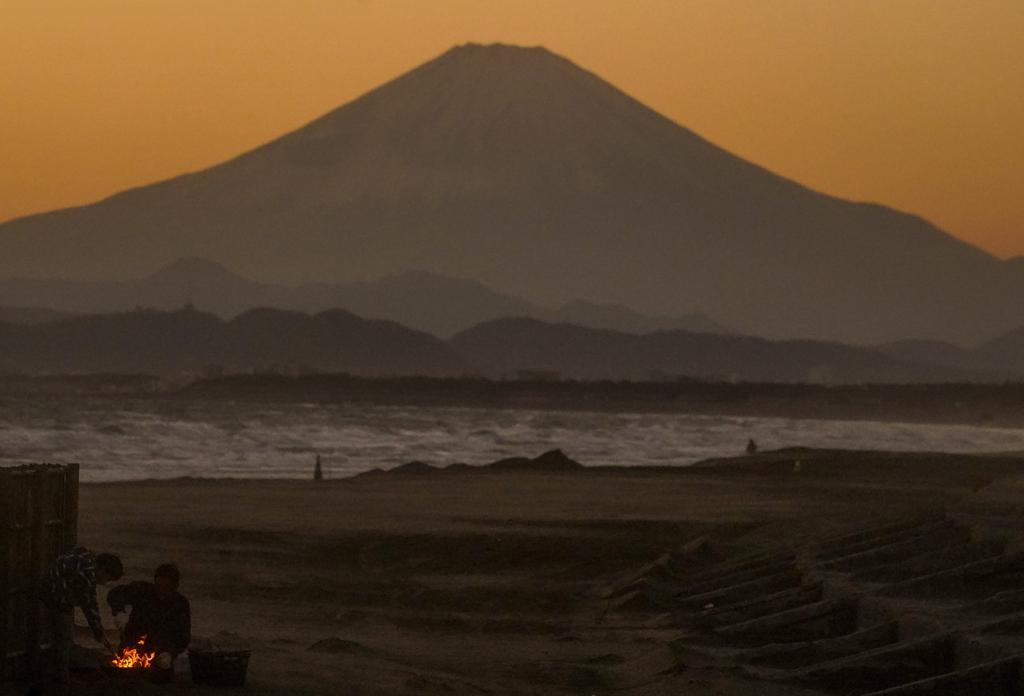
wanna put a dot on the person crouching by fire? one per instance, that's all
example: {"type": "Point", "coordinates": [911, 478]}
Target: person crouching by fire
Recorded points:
{"type": "Point", "coordinates": [160, 616]}
{"type": "Point", "coordinates": [71, 582]}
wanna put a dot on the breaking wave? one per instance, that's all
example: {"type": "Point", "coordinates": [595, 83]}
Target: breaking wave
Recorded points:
{"type": "Point", "coordinates": [126, 440]}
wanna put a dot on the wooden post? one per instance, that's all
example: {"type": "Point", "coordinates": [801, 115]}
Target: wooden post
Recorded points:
{"type": "Point", "coordinates": [5, 571]}
{"type": "Point", "coordinates": [71, 507]}
{"type": "Point", "coordinates": [37, 521]}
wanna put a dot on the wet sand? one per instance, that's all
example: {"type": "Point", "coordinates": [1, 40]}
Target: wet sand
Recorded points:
{"type": "Point", "coordinates": [513, 581]}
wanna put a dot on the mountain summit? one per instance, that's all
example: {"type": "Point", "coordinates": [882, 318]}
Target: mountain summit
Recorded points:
{"type": "Point", "coordinates": [515, 167]}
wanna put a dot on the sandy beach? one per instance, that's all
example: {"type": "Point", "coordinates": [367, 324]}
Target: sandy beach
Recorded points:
{"type": "Point", "coordinates": [512, 348]}
{"type": "Point", "coordinates": [524, 580]}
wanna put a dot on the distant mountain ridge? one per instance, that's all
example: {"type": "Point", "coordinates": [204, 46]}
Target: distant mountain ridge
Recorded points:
{"type": "Point", "coordinates": [509, 346]}
{"type": "Point", "coordinates": [154, 342]}
{"type": "Point", "coordinates": [418, 299]}
{"type": "Point", "coordinates": [1002, 357]}
{"type": "Point", "coordinates": [516, 168]}
{"type": "Point", "coordinates": [31, 315]}
{"type": "Point", "coordinates": [618, 318]}
{"type": "Point", "coordinates": [275, 340]}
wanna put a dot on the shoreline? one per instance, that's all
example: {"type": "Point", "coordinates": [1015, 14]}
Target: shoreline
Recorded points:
{"type": "Point", "coordinates": [814, 462]}
{"type": "Point", "coordinates": [713, 466]}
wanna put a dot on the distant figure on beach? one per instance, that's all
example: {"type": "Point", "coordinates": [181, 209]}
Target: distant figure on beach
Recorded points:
{"type": "Point", "coordinates": [318, 471]}
{"type": "Point", "coordinates": [751, 446]}
{"type": "Point", "coordinates": [71, 582]}
{"type": "Point", "coordinates": [159, 613]}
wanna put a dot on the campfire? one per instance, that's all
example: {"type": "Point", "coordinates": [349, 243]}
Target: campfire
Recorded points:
{"type": "Point", "coordinates": [134, 657]}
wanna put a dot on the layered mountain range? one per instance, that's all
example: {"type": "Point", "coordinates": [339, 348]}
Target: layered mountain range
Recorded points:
{"type": "Point", "coordinates": [190, 341]}
{"type": "Point", "coordinates": [418, 299]}
{"type": "Point", "coordinates": [517, 169]}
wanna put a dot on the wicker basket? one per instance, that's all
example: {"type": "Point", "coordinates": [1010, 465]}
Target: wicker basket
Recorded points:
{"type": "Point", "coordinates": [219, 667]}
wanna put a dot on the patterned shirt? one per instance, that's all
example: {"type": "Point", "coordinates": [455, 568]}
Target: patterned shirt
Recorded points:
{"type": "Point", "coordinates": [71, 583]}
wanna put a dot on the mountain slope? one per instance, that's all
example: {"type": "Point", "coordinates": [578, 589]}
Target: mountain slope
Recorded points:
{"type": "Point", "coordinates": [618, 318]}
{"type": "Point", "coordinates": [170, 343]}
{"type": "Point", "coordinates": [516, 168]}
{"type": "Point", "coordinates": [417, 299]}
{"type": "Point", "coordinates": [30, 315]}
{"type": "Point", "coordinates": [1005, 352]}
{"type": "Point", "coordinates": [155, 342]}
{"type": "Point", "coordinates": [935, 353]}
{"type": "Point", "coordinates": [507, 346]}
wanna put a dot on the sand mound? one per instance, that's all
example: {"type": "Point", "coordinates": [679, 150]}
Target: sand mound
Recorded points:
{"type": "Point", "coordinates": [554, 460]}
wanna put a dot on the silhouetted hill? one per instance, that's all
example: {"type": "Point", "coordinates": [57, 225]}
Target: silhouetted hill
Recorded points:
{"type": "Point", "coordinates": [190, 341]}
{"type": "Point", "coordinates": [209, 285]}
{"type": "Point", "coordinates": [418, 299]}
{"type": "Point", "coordinates": [618, 318]}
{"type": "Point", "coordinates": [31, 315]}
{"type": "Point", "coordinates": [338, 341]}
{"type": "Point", "coordinates": [514, 167]}
{"type": "Point", "coordinates": [426, 301]}
{"type": "Point", "coordinates": [1002, 357]}
{"type": "Point", "coordinates": [939, 353]}
{"type": "Point", "coordinates": [506, 347]}
{"type": "Point", "coordinates": [1005, 352]}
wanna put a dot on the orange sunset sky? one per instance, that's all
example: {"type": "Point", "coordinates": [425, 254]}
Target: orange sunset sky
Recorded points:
{"type": "Point", "coordinates": [918, 104]}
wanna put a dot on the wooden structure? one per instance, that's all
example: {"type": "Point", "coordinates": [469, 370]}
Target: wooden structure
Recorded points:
{"type": "Point", "coordinates": [38, 522]}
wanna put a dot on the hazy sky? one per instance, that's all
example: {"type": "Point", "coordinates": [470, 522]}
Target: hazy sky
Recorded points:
{"type": "Point", "coordinates": [918, 104]}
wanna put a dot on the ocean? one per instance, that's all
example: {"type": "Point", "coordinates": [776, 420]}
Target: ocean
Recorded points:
{"type": "Point", "coordinates": [119, 439]}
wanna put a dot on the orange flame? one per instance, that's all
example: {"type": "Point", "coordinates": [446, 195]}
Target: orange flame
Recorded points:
{"type": "Point", "coordinates": [130, 658]}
